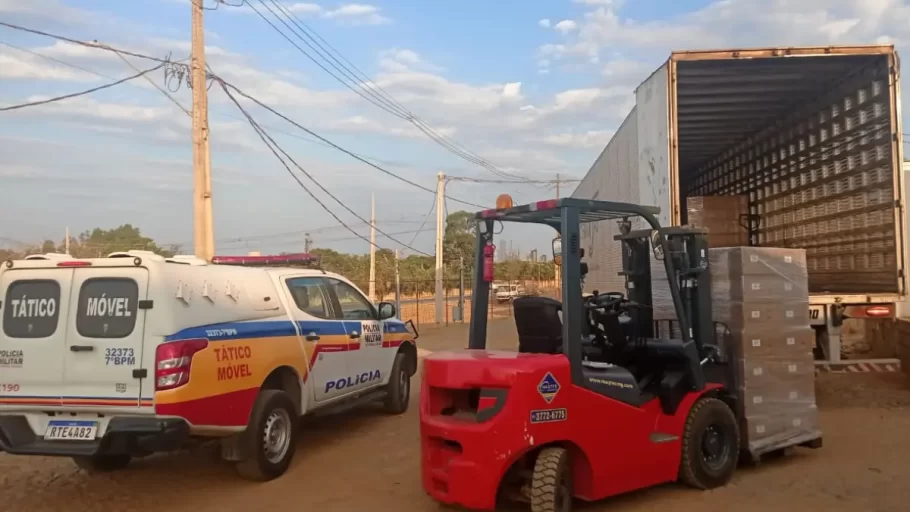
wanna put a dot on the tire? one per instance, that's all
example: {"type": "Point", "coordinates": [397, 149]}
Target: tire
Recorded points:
{"type": "Point", "coordinates": [270, 438]}
{"type": "Point", "coordinates": [551, 483]}
{"type": "Point", "coordinates": [710, 445]}
{"type": "Point", "coordinates": [398, 390]}
{"type": "Point", "coordinates": [103, 463]}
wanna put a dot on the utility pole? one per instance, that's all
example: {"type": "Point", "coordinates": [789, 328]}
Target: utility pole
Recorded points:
{"type": "Point", "coordinates": [307, 243]}
{"type": "Point", "coordinates": [440, 232]}
{"type": "Point", "coordinates": [66, 243]}
{"type": "Point", "coordinates": [373, 247]}
{"type": "Point", "coordinates": [397, 286]}
{"type": "Point", "coordinates": [557, 185]}
{"type": "Point", "coordinates": [203, 236]}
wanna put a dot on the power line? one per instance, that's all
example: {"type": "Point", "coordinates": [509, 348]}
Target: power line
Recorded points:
{"type": "Point", "coordinates": [339, 148]}
{"type": "Point", "coordinates": [120, 53]}
{"type": "Point", "coordinates": [425, 218]}
{"type": "Point", "coordinates": [81, 93]}
{"type": "Point", "coordinates": [87, 44]}
{"type": "Point", "coordinates": [377, 96]}
{"type": "Point", "coordinates": [267, 140]}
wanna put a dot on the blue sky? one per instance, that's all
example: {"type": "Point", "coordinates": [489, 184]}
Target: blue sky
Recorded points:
{"type": "Point", "coordinates": [535, 87]}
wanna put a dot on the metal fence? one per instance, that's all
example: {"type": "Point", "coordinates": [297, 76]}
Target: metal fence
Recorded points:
{"type": "Point", "coordinates": [417, 303]}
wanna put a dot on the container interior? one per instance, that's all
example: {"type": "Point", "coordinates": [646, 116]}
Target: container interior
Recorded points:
{"type": "Point", "coordinates": [809, 141]}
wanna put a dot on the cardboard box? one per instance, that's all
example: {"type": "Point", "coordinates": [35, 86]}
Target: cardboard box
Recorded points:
{"type": "Point", "coordinates": [789, 264]}
{"type": "Point", "coordinates": [766, 431]}
{"type": "Point", "coordinates": [757, 374]}
{"type": "Point", "coordinates": [770, 344]}
{"type": "Point", "coordinates": [760, 317]}
{"type": "Point", "coordinates": [720, 215]}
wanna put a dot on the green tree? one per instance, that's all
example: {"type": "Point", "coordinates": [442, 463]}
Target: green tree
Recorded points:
{"type": "Point", "coordinates": [100, 242]}
{"type": "Point", "coordinates": [459, 241]}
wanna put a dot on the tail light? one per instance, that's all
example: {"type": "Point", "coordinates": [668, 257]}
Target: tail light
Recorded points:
{"type": "Point", "coordinates": [173, 361]}
{"type": "Point", "coordinates": [878, 311]}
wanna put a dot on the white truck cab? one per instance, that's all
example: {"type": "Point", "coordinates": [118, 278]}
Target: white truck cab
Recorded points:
{"type": "Point", "coordinates": [107, 359]}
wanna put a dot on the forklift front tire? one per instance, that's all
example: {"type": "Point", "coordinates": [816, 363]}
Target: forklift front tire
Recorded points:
{"type": "Point", "coordinates": [710, 445]}
{"type": "Point", "coordinates": [551, 483]}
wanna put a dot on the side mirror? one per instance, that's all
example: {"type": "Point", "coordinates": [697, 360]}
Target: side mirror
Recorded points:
{"type": "Point", "coordinates": [656, 246]}
{"type": "Point", "coordinates": [557, 251]}
{"type": "Point", "coordinates": [387, 310]}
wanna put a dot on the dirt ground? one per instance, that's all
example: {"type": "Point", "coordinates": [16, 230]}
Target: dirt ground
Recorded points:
{"type": "Point", "coordinates": [366, 460]}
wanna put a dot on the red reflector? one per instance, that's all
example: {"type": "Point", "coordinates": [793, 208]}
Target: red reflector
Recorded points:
{"type": "Point", "coordinates": [74, 264]}
{"type": "Point", "coordinates": [546, 205]}
{"type": "Point", "coordinates": [878, 311]}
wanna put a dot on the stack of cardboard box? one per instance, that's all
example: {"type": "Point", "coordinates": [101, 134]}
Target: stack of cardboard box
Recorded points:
{"type": "Point", "coordinates": [761, 295]}
{"type": "Point", "coordinates": [722, 216]}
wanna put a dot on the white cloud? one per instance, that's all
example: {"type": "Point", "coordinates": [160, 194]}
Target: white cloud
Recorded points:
{"type": "Point", "coordinates": [358, 14]}
{"type": "Point", "coordinates": [304, 8]}
{"type": "Point", "coordinates": [565, 26]}
{"type": "Point", "coordinates": [545, 23]}
{"type": "Point", "coordinates": [605, 3]}
{"type": "Point", "coordinates": [580, 140]}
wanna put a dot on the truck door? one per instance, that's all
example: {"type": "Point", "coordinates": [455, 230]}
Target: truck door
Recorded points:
{"type": "Point", "coordinates": [367, 366]}
{"type": "Point", "coordinates": [323, 336]}
{"type": "Point", "coordinates": [104, 338]}
{"type": "Point", "coordinates": [35, 303]}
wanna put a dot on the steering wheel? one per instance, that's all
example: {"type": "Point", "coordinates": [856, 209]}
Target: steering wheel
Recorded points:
{"type": "Point", "coordinates": [608, 300]}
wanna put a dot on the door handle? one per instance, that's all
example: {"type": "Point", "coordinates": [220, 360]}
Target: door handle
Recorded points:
{"type": "Point", "coordinates": [82, 348]}
{"type": "Point", "coordinates": [312, 337]}
{"type": "Point", "coordinates": [354, 335]}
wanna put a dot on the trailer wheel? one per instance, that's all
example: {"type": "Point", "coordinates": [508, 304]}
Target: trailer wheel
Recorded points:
{"type": "Point", "coordinates": [270, 439]}
{"type": "Point", "coordinates": [551, 483]}
{"type": "Point", "coordinates": [710, 445]}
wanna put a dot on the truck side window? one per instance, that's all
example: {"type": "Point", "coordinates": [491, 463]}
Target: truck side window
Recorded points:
{"type": "Point", "coordinates": [310, 296]}
{"type": "Point", "coordinates": [354, 306]}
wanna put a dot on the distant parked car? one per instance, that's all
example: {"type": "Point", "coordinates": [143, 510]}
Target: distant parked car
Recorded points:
{"type": "Point", "coordinates": [508, 292]}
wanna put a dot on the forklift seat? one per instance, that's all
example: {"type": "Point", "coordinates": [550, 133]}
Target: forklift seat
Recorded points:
{"type": "Point", "coordinates": [539, 325]}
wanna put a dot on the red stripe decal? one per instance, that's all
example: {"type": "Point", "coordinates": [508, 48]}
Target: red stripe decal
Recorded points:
{"type": "Point", "coordinates": [228, 409]}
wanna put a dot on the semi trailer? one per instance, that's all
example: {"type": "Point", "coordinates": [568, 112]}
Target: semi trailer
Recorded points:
{"type": "Point", "coordinates": [811, 136]}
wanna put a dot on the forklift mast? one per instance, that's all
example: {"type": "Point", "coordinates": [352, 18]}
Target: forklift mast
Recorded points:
{"type": "Point", "coordinates": [689, 258]}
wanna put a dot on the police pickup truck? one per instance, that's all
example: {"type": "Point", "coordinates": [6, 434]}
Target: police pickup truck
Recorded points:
{"type": "Point", "coordinates": [108, 359]}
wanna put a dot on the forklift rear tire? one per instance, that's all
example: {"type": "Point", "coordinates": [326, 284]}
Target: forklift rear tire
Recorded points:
{"type": "Point", "coordinates": [710, 445]}
{"type": "Point", "coordinates": [551, 483]}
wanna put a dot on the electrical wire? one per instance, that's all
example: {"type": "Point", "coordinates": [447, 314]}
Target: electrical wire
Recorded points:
{"type": "Point", "coordinates": [227, 114]}
{"type": "Point", "coordinates": [87, 44]}
{"type": "Point", "coordinates": [271, 142]}
{"type": "Point", "coordinates": [425, 218]}
{"type": "Point", "coordinates": [339, 148]}
{"type": "Point", "coordinates": [80, 93]}
{"type": "Point", "coordinates": [377, 96]}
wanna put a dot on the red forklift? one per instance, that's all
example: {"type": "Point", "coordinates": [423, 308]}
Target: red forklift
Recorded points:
{"type": "Point", "coordinates": [596, 401]}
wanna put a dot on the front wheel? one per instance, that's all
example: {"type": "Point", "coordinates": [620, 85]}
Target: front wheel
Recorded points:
{"type": "Point", "coordinates": [398, 390]}
{"type": "Point", "coordinates": [270, 438]}
{"type": "Point", "coordinates": [551, 483]}
{"type": "Point", "coordinates": [710, 447]}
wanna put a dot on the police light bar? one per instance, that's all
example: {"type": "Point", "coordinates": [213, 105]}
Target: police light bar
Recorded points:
{"type": "Point", "coordinates": [261, 261]}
